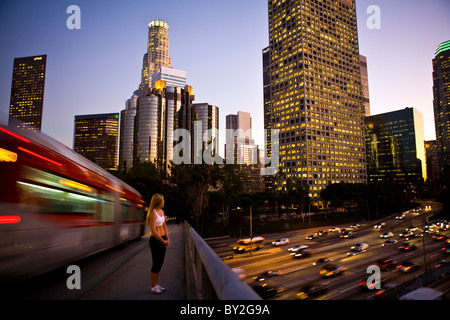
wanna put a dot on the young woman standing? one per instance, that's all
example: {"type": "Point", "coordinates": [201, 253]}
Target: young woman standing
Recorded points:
{"type": "Point", "coordinates": [159, 239]}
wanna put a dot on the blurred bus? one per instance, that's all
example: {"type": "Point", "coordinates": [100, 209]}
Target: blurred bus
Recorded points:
{"type": "Point", "coordinates": [244, 245]}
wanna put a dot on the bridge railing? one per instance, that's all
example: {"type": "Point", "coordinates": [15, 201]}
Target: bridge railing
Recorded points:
{"type": "Point", "coordinates": [208, 277]}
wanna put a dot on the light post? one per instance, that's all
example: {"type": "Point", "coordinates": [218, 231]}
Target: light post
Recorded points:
{"type": "Point", "coordinates": [251, 224]}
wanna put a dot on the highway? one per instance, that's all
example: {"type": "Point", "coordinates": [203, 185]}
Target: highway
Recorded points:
{"type": "Point", "coordinates": [295, 273]}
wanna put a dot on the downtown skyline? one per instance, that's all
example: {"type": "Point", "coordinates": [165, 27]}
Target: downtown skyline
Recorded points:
{"type": "Point", "coordinates": [95, 69]}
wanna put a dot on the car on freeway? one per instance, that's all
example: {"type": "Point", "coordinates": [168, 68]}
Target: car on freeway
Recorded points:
{"type": "Point", "coordinates": [322, 233]}
{"type": "Point", "coordinates": [356, 251]}
{"type": "Point", "coordinates": [407, 246]}
{"type": "Point", "coordinates": [446, 249]}
{"type": "Point", "coordinates": [312, 237]}
{"type": "Point", "coordinates": [407, 266]}
{"type": "Point", "coordinates": [281, 242]}
{"type": "Point", "coordinates": [334, 229]}
{"type": "Point", "coordinates": [322, 261]}
{"type": "Point", "coordinates": [298, 247]}
{"type": "Point", "coordinates": [266, 291]}
{"type": "Point", "coordinates": [389, 242]}
{"type": "Point", "coordinates": [439, 237]}
{"type": "Point", "coordinates": [364, 246]}
{"type": "Point", "coordinates": [379, 225]}
{"type": "Point", "coordinates": [386, 235]}
{"type": "Point", "coordinates": [400, 217]}
{"type": "Point", "coordinates": [347, 235]}
{"type": "Point", "coordinates": [376, 284]}
{"type": "Point", "coordinates": [386, 264]}
{"type": "Point", "coordinates": [302, 253]}
{"type": "Point", "coordinates": [330, 270]}
{"type": "Point", "coordinates": [266, 275]}
{"type": "Point", "coordinates": [405, 234]}
{"type": "Point", "coordinates": [311, 291]}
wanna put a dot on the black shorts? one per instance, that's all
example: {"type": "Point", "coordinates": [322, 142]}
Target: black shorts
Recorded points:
{"type": "Point", "coordinates": [158, 253]}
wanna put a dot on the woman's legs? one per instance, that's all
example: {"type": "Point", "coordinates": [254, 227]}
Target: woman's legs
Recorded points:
{"type": "Point", "coordinates": [158, 253]}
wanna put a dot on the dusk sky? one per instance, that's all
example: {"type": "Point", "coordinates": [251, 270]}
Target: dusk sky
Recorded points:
{"type": "Point", "coordinates": [217, 42]}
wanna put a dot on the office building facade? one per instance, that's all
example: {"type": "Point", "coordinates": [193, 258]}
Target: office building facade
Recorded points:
{"type": "Point", "coordinates": [27, 92]}
{"type": "Point", "coordinates": [96, 137]}
{"type": "Point", "coordinates": [396, 147]}
{"type": "Point", "coordinates": [441, 104]}
{"type": "Point", "coordinates": [365, 83]}
{"type": "Point", "coordinates": [313, 92]}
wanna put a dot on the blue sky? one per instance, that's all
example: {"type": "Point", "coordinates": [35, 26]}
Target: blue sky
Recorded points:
{"type": "Point", "coordinates": [217, 42]}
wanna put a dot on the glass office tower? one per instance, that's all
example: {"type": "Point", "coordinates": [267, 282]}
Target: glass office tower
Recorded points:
{"type": "Point", "coordinates": [441, 103]}
{"type": "Point", "coordinates": [27, 91]}
{"type": "Point", "coordinates": [396, 147]}
{"type": "Point", "coordinates": [315, 95]}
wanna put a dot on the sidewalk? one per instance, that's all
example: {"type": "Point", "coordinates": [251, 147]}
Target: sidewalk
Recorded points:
{"type": "Point", "coordinates": [132, 280]}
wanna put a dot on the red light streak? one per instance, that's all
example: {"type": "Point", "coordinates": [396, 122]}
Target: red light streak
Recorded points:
{"type": "Point", "coordinates": [10, 219]}
{"type": "Point", "coordinates": [14, 135]}
{"type": "Point", "coordinates": [40, 157]}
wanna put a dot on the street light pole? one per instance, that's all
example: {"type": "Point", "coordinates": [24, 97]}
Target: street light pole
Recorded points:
{"type": "Point", "coordinates": [251, 230]}
{"type": "Point", "coordinates": [251, 224]}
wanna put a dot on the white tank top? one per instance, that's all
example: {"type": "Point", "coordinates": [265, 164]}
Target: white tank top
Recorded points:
{"type": "Point", "coordinates": [159, 220]}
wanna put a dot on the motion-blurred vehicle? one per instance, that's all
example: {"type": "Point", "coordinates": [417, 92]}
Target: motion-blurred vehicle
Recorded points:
{"type": "Point", "coordinates": [446, 249]}
{"type": "Point", "coordinates": [400, 217]}
{"type": "Point", "coordinates": [386, 235]}
{"type": "Point", "coordinates": [386, 264]}
{"type": "Point", "coordinates": [334, 229]}
{"type": "Point", "coordinates": [57, 207]}
{"type": "Point", "coordinates": [347, 235]}
{"type": "Point", "coordinates": [322, 233]}
{"type": "Point", "coordinates": [330, 270]}
{"type": "Point", "coordinates": [311, 291]}
{"type": "Point", "coordinates": [266, 291]}
{"type": "Point", "coordinates": [439, 237]}
{"type": "Point", "coordinates": [322, 261]}
{"type": "Point", "coordinates": [407, 246]}
{"type": "Point", "coordinates": [389, 242]}
{"type": "Point", "coordinates": [405, 234]}
{"type": "Point", "coordinates": [266, 275]}
{"type": "Point", "coordinates": [281, 242]}
{"type": "Point", "coordinates": [356, 251]}
{"type": "Point", "coordinates": [302, 253]}
{"type": "Point", "coordinates": [312, 236]}
{"type": "Point", "coordinates": [407, 266]}
{"type": "Point", "coordinates": [298, 247]}
{"type": "Point", "coordinates": [363, 246]}
{"type": "Point", "coordinates": [379, 225]}
{"type": "Point", "coordinates": [376, 284]}
{"type": "Point", "coordinates": [244, 245]}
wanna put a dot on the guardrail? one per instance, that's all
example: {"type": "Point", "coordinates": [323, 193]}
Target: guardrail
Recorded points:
{"type": "Point", "coordinates": [208, 277]}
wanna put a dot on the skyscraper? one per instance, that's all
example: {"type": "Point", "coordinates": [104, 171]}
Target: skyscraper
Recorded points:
{"type": "Point", "coordinates": [315, 91]}
{"type": "Point", "coordinates": [242, 149]}
{"type": "Point", "coordinates": [157, 54]}
{"type": "Point", "coordinates": [96, 138]}
{"type": "Point", "coordinates": [126, 141]}
{"type": "Point", "coordinates": [27, 91]}
{"type": "Point", "coordinates": [396, 147]}
{"type": "Point", "coordinates": [441, 103]}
